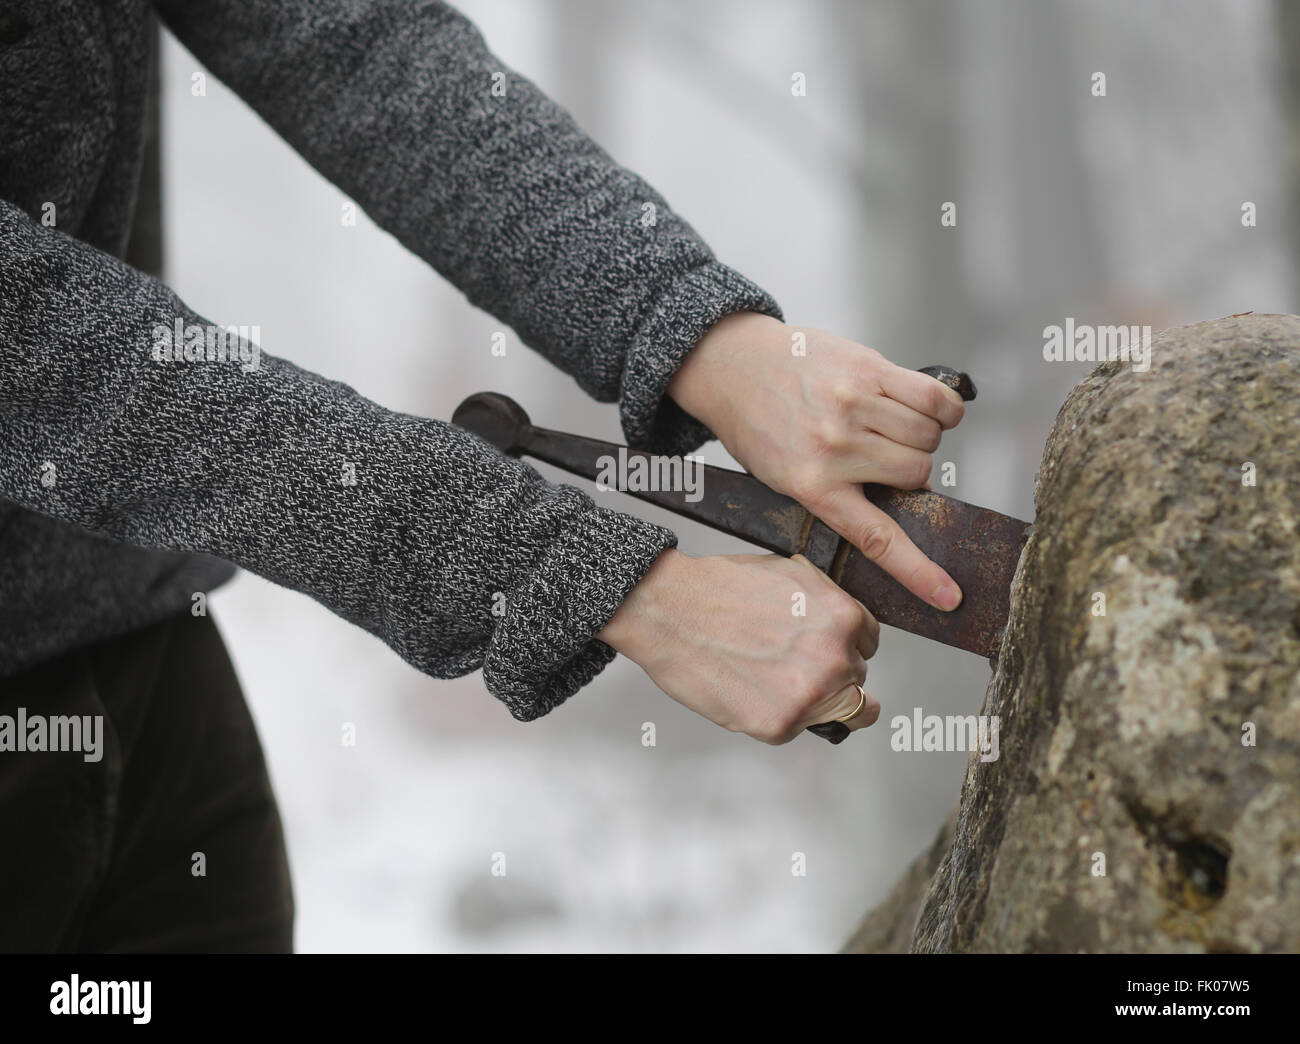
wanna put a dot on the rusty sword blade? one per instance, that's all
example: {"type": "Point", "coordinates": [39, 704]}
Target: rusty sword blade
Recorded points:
{"type": "Point", "coordinates": [979, 548]}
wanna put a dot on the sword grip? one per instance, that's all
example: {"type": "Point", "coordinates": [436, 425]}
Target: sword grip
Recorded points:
{"type": "Point", "coordinates": [731, 501]}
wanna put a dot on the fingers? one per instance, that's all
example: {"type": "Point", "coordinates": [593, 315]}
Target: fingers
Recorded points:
{"type": "Point", "coordinates": [904, 425]}
{"type": "Point", "coordinates": [855, 707]}
{"type": "Point", "coordinates": [923, 394]}
{"type": "Point", "coordinates": [842, 665]}
{"type": "Point", "coordinates": [845, 700]}
{"type": "Point", "coordinates": [878, 459]}
{"type": "Point", "coordinates": [866, 634]}
{"type": "Point", "coordinates": [882, 540]}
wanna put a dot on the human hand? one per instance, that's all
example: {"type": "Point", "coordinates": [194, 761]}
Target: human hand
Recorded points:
{"type": "Point", "coordinates": [758, 644]}
{"type": "Point", "coordinates": [817, 425]}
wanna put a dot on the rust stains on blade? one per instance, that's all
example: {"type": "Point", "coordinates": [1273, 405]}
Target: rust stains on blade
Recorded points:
{"type": "Point", "coordinates": [737, 503]}
{"type": "Point", "coordinates": [794, 522]}
{"type": "Point", "coordinates": [979, 549]}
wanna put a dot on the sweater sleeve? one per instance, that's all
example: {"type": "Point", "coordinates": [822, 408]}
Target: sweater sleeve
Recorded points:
{"type": "Point", "coordinates": [456, 556]}
{"type": "Point", "coordinates": [468, 164]}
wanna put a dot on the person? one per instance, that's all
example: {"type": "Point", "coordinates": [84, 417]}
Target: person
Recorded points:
{"type": "Point", "coordinates": [136, 479]}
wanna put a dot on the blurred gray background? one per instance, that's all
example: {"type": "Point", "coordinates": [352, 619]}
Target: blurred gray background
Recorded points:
{"type": "Point", "coordinates": [1117, 209]}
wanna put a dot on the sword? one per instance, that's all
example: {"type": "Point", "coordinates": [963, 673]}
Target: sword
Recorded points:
{"type": "Point", "coordinates": [978, 547]}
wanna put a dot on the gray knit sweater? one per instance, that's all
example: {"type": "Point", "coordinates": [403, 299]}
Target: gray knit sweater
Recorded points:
{"type": "Point", "coordinates": [130, 483]}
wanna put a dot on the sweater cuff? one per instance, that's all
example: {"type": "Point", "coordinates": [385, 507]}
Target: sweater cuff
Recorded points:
{"type": "Point", "coordinates": [544, 649]}
{"type": "Point", "coordinates": [690, 307]}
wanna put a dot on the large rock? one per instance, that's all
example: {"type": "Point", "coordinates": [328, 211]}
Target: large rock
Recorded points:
{"type": "Point", "coordinates": [1147, 793]}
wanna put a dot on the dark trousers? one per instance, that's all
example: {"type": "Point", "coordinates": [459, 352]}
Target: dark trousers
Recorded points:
{"type": "Point", "coordinates": [171, 842]}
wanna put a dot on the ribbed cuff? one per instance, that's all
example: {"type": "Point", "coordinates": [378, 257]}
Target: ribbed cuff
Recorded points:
{"type": "Point", "coordinates": [686, 312]}
{"type": "Point", "coordinates": [543, 651]}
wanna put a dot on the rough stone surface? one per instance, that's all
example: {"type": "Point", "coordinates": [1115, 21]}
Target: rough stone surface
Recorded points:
{"type": "Point", "coordinates": [1128, 737]}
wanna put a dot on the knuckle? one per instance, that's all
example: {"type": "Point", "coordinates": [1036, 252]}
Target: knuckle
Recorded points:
{"type": "Point", "coordinates": [875, 539]}
{"type": "Point", "coordinates": [871, 358]}
{"type": "Point", "coordinates": [805, 698]}
{"type": "Point", "coordinates": [804, 707]}
{"type": "Point", "coordinates": [827, 433]}
{"type": "Point", "coordinates": [844, 394]}
{"type": "Point", "coordinates": [796, 714]}
{"type": "Point", "coordinates": [849, 670]}
{"type": "Point", "coordinates": [777, 728]}
{"type": "Point", "coordinates": [915, 470]}
{"type": "Point", "coordinates": [845, 616]}
{"type": "Point", "coordinates": [805, 484]}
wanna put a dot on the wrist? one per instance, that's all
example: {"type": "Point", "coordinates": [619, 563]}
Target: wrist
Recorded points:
{"type": "Point", "coordinates": [641, 624]}
{"type": "Point", "coordinates": [710, 375]}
